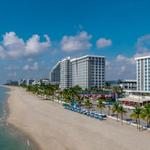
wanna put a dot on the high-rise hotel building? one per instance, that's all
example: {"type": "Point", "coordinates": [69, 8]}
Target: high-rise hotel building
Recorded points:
{"type": "Point", "coordinates": [143, 73]}
{"type": "Point", "coordinates": [87, 72]}
{"type": "Point", "coordinates": [54, 74]}
{"type": "Point", "coordinates": [65, 73]}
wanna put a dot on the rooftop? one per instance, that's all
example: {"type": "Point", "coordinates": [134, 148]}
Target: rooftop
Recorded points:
{"type": "Point", "coordinates": [137, 99]}
{"type": "Point", "coordinates": [56, 65]}
{"type": "Point", "coordinates": [126, 80]}
{"type": "Point", "coordinates": [75, 59]}
{"type": "Point", "coordinates": [86, 56]}
{"type": "Point", "coordinates": [142, 57]}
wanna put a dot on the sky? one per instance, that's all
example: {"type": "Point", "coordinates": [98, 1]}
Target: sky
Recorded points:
{"type": "Point", "coordinates": [35, 34]}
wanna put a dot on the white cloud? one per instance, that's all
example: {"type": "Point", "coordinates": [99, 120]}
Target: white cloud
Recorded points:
{"type": "Point", "coordinates": [2, 53]}
{"type": "Point", "coordinates": [120, 58]}
{"type": "Point", "coordinates": [121, 67]}
{"type": "Point", "coordinates": [31, 67]}
{"type": "Point", "coordinates": [11, 38]}
{"type": "Point", "coordinates": [143, 44]}
{"type": "Point", "coordinates": [14, 47]}
{"type": "Point", "coordinates": [129, 60]}
{"type": "Point", "coordinates": [124, 67]}
{"type": "Point", "coordinates": [108, 64]}
{"type": "Point", "coordinates": [34, 46]}
{"type": "Point", "coordinates": [12, 74]}
{"type": "Point", "coordinates": [29, 59]}
{"type": "Point", "coordinates": [81, 41]}
{"type": "Point", "coordinates": [12, 68]}
{"type": "Point", "coordinates": [103, 42]}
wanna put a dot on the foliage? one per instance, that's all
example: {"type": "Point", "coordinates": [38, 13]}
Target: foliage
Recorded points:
{"type": "Point", "coordinates": [121, 111]}
{"type": "Point", "coordinates": [118, 90]}
{"type": "Point", "coordinates": [46, 90]}
{"type": "Point", "coordinates": [100, 104]}
{"type": "Point", "coordinates": [88, 104]}
{"type": "Point", "coordinates": [145, 114]}
{"type": "Point", "coordinates": [72, 94]}
{"type": "Point", "coordinates": [136, 114]}
{"type": "Point", "coordinates": [115, 109]}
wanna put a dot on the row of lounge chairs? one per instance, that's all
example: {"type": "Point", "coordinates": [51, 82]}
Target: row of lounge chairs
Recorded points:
{"type": "Point", "coordinates": [86, 112]}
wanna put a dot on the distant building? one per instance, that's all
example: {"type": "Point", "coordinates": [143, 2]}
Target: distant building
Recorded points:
{"type": "Point", "coordinates": [44, 81]}
{"type": "Point", "coordinates": [12, 82]}
{"type": "Point", "coordinates": [22, 81]}
{"type": "Point", "coordinates": [25, 81]}
{"type": "Point", "coordinates": [111, 83]}
{"type": "Point", "coordinates": [87, 72]}
{"type": "Point", "coordinates": [143, 73]}
{"type": "Point", "coordinates": [128, 84]}
{"type": "Point", "coordinates": [36, 82]}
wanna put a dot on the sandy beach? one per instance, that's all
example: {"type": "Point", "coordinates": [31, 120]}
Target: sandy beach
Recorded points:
{"type": "Point", "coordinates": [54, 128]}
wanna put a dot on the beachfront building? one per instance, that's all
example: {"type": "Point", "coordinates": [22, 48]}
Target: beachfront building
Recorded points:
{"type": "Point", "coordinates": [36, 82]}
{"type": "Point", "coordinates": [45, 81]}
{"type": "Point", "coordinates": [141, 95]}
{"type": "Point", "coordinates": [26, 81]}
{"type": "Point", "coordinates": [86, 71]}
{"type": "Point", "coordinates": [143, 73]}
{"type": "Point", "coordinates": [65, 73]}
{"type": "Point", "coordinates": [135, 100]}
{"type": "Point", "coordinates": [54, 75]}
{"type": "Point", "coordinates": [128, 84]}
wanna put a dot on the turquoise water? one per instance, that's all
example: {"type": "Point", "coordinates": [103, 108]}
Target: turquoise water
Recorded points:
{"type": "Point", "coordinates": [9, 138]}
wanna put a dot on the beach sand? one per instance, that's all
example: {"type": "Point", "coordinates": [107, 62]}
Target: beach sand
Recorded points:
{"type": "Point", "coordinates": [54, 128]}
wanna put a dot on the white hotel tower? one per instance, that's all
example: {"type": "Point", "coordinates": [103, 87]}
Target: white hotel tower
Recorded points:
{"type": "Point", "coordinates": [86, 71]}
{"type": "Point", "coordinates": [143, 73]}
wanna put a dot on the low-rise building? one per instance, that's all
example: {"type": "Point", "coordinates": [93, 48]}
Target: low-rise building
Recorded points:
{"type": "Point", "coordinates": [26, 81]}
{"type": "Point", "coordinates": [45, 81]}
{"type": "Point", "coordinates": [128, 84]}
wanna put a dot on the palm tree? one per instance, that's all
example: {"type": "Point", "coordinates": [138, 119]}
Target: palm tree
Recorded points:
{"type": "Point", "coordinates": [79, 99]}
{"type": "Point", "coordinates": [107, 85]}
{"type": "Point", "coordinates": [109, 109]}
{"type": "Point", "coordinates": [67, 95]}
{"type": "Point", "coordinates": [88, 104]}
{"type": "Point", "coordinates": [145, 114]}
{"type": "Point", "coordinates": [115, 109]}
{"type": "Point", "coordinates": [100, 105]}
{"type": "Point", "coordinates": [121, 111]}
{"type": "Point", "coordinates": [118, 90]}
{"type": "Point", "coordinates": [136, 115]}
{"type": "Point", "coordinates": [77, 89]}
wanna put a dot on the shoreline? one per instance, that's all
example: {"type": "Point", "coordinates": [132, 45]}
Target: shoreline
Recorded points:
{"type": "Point", "coordinates": [53, 127]}
{"type": "Point", "coordinates": [29, 141]}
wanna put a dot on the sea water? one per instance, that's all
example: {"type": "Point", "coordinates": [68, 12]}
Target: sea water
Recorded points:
{"type": "Point", "coordinates": [10, 139]}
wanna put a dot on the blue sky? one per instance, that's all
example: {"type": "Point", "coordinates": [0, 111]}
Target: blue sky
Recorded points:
{"type": "Point", "coordinates": [117, 29]}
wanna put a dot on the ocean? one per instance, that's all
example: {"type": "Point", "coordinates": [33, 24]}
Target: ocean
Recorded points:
{"type": "Point", "coordinates": [10, 139]}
